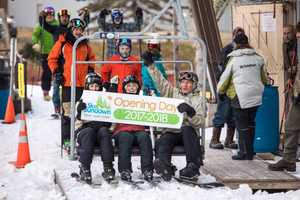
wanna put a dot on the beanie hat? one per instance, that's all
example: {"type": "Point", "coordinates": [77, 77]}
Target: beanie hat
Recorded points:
{"type": "Point", "coordinates": [241, 39]}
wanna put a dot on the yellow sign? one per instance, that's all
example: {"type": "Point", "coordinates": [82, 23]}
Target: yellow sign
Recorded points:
{"type": "Point", "coordinates": [21, 83]}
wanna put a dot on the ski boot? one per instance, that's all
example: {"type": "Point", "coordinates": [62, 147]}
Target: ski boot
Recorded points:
{"type": "Point", "coordinates": [109, 174]}
{"type": "Point", "coordinates": [166, 171]}
{"type": "Point", "coordinates": [190, 172]}
{"type": "Point", "coordinates": [126, 175]}
{"type": "Point", "coordinates": [85, 174]}
{"type": "Point", "coordinates": [148, 175]}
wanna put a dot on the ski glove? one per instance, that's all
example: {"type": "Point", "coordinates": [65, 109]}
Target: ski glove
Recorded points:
{"type": "Point", "coordinates": [139, 12]}
{"type": "Point", "coordinates": [147, 57]}
{"type": "Point", "coordinates": [113, 88]}
{"type": "Point", "coordinates": [106, 85]}
{"type": "Point", "coordinates": [189, 110]}
{"type": "Point", "coordinates": [81, 106]}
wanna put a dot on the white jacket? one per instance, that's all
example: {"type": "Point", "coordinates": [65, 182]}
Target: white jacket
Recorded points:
{"type": "Point", "coordinates": [244, 76]}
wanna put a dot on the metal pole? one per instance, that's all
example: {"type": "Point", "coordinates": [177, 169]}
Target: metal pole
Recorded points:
{"type": "Point", "coordinates": [12, 63]}
{"type": "Point", "coordinates": [180, 17]}
{"type": "Point", "coordinates": [23, 98]}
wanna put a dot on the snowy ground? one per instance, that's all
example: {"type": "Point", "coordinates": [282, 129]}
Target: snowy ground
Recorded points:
{"type": "Point", "coordinates": [35, 181]}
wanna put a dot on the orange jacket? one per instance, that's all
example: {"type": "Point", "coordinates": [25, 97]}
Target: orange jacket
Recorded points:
{"type": "Point", "coordinates": [83, 53]}
{"type": "Point", "coordinates": [121, 70]}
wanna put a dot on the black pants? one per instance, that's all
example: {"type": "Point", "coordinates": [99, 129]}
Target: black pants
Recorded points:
{"type": "Point", "coordinates": [65, 119]}
{"type": "Point", "coordinates": [88, 138]}
{"type": "Point", "coordinates": [188, 138]}
{"type": "Point", "coordinates": [245, 124]}
{"type": "Point", "coordinates": [125, 141]}
{"type": "Point", "coordinates": [46, 74]}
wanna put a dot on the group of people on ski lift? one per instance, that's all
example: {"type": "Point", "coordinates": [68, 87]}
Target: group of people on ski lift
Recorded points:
{"type": "Point", "coordinates": [55, 39]}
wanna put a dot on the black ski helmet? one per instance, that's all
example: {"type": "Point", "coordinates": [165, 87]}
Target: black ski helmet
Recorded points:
{"type": "Point", "coordinates": [76, 23]}
{"type": "Point", "coordinates": [93, 78]}
{"type": "Point", "coordinates": [131, 79]}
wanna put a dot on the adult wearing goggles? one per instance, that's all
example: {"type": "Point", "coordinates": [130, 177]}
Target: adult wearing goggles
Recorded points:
{"type": "Point", "coordinates": [193, 110]}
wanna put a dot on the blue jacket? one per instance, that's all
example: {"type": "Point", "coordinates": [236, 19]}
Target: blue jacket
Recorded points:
{"type": "Point", "coordinates": [148, 83]}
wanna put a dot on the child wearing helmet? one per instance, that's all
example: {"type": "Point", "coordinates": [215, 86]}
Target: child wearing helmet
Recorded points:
{"type": "Point", "coordinates": [91, 134]}
{"type": "Point", "coordinates": [149, 87]}
{"type": "Point", "coordinates": [193, 110]}
{"type": "Point", "coordinates": [63, 48]}
{"type": "Point", "coordinates": [121, 70]}
{"type": "Point", "coordinates": [118, 25]}
{"type": "Point", "coordinates": [43, 42]}
{"type": "Point", "coordinates": [128, 135]}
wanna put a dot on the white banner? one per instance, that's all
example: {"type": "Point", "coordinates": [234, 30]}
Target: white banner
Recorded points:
{"type": "Point", "coordinates": [132, 109]}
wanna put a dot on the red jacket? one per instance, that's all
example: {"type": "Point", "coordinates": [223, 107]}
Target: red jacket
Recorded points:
{"type": "Point", "coordinates": [121, 70]}
{"type": "Point", "coordinates": [128, 128]}
{"type": "Point", "coordinates": [83, 53]}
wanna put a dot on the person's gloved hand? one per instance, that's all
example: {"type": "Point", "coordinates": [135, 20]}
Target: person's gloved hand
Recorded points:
{"type": "Point", "coordinates": [36, 47]}
{"type": "Point", "coordinates": [221, 96]}
{"type": "Point", "coordinates": [296, 99]}
{"type": "Point", "coordinates": [189, 110]}
{"type": "Point", "coordinates": [81, 106]}
{"type": "Point", "coordinates": [59, 78]}
{"type": "Point", "coordinates": [113, 88]}
{"type": "Point", "coordinates": [139, 12]}
{"type": "Point", "coordinates": [104, 12]}
{"type": "Point", "coordinates": [106, 85]}
{"type": "Point", "coordinates": [147, 57]}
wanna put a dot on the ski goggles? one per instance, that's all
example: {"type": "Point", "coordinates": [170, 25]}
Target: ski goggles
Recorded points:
{"type": "Point", "coordinates": [190, 76]}
{"type": "Point", "coordinates": [77, 23]}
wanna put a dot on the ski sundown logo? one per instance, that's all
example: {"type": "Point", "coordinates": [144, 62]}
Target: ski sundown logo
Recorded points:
{"type": "Point", "coordinates": [101, 107]}
{"type": "Point", "coordinates": [101, 103]}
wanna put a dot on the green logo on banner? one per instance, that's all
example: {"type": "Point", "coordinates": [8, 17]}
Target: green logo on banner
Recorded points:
{"type": "Point", "coordinates": [102, 103]}
{"type": "Point", "coordinates": [143, 116]}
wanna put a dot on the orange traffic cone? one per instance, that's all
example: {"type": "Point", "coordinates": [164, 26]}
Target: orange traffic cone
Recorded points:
{"type": "Point", "coordinates": [10, 116]}
{"type": "Point", "coordinates": [23, 156]}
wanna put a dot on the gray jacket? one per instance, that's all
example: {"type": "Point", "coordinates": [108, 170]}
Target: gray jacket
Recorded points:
{"type": "Point", "coordinates": [193, 99]}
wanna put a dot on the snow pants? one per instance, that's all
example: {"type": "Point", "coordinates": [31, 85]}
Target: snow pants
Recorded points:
{"type": "Point", "coordinates": [188, 138]}
{"type": "Point", "coordinates": [88, 138]}
{"type": "Point", "coordinates": [245, 124]}
{"type": "Point", "coordinates": [46, 74]}
{"type": "Point", "coordinates": [224, 114]}
{"type": "Point", "coordinates": [125, 142]}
